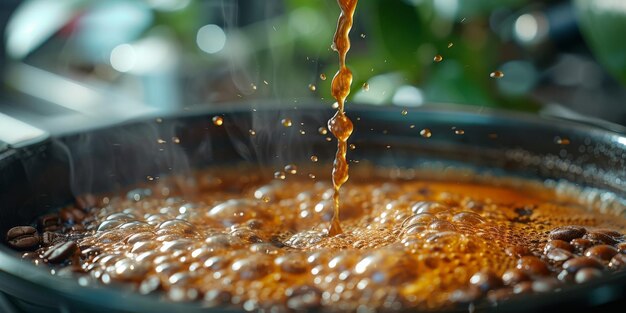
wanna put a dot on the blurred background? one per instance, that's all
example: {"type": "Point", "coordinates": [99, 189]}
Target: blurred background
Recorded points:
{"type": "Point", "coordinates": [72, 64]}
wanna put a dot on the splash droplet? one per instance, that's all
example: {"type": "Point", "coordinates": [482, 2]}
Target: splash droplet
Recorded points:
{"type": "Point", "coordinates": [312, 87]}
{"type": "Point", "coordinates": [459, 131]}
{"type": "Point", "coordinates": [363, 36]}
{"type": "Point", "coordinates": [323, 76]}
{"type": "Point", "coordinates": [352, 146]}
{"type": "Point", "coordinates": [280, 175]}
{"type": "Point", "coordinates": [426, 133]}
{"type": "Point", "coordinates": [496, 74]}
{"type": "Point", "coordinates": [314, 158]}
{"type": "Point", "coordinates": [218, 120]}
{"type": "Point", "coordinates": [438, 58]}
{"type": "Point", "coordinates": [252, 132]}
{"type": "Point", "coordinates": [302, 132]}
{"type": "Point", "coordinates": [253, 86]}
{"type": "Point", "coordinates": [175, 140]}
{"type": "Point", "coordinates": [312, 176]}
{"type": "Point", "coordinates": [161, 141]}
{"type": "Point", "coordinates": [450, 45]}
{"type": "Point", "coordinates": [404, 112]}
{"type": "Point", "coordinates": [286, 122]}
{"type": "Point", "coordinates": [322, 130]}
{"type": "Point", "coordinates": [291, 169]}
{"type": "Point", "coordinates": [412, 126]}
{"type": "Point", "coordinates": [335, 105]}
{"type": "Point", "coordinates": [366, 87]}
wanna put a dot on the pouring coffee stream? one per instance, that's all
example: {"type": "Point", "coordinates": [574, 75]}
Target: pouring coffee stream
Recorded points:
{"type": "Point", "coordinates": [340, 125]}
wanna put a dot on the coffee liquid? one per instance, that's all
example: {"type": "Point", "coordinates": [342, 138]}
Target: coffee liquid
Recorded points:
{"type": "Point", "coordinates": [340, 125]}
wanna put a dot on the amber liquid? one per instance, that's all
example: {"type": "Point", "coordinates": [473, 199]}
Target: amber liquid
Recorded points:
{"type": "Point", "coordinates": [340, 125]}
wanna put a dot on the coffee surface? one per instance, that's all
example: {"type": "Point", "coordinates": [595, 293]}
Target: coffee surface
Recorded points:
{"type": "Point", "coordinates": [245, 241]}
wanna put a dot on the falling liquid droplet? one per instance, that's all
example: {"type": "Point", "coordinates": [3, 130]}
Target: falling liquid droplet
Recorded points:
{"type": "Point", "coordinates": [328, 139]}
{"type": "Point", "coordinates": [426, 133]}
{"type": "Point", "coordinates": [335, 105]}
{"type": "Point", "coordinates": [322, 130]}
{"type": "Point", "coordinates": [312, 87]}
{"type": "Point", "coordinates": [252, 132]}
{"type": "Point", "coordinates": [286, 122]}
{"type": "Point", "coordinates": [161, 141]}
{"type": "Point", "coordinates": [253, 86]}
{"type": "Point", "coordinates": [404, 112]}
{"type": "Point", "coordinates": [366, 87]}
{"type": "Point", "coordinates": [312, 176]}
{"type": "Point", "coordinates": [496, 74]}
{"type": "Point", "coordinates": [218, 120]}
{"type": "Point", "coordinates": [291, 169]}
{"type": "Point", "coordinates": [150, 178]}
{"type": "Point", "coordinates": [412, 126]}
{"type": "Point", "coordinates": [323, 76]}
{"type": "Point", "coordinates": [352, 146]}
{"type": "Point", "coordinates": [280, 175]}
{"type": "Point", "coordinates": [438, 58]}
{"type": "Point", "coordinates": [363, 36]}
{"type": "Point", "coordinates": [175, 140]}
{"type": "Point", "coordinates": [265, 82]}
{"type": "Point", "coordinates": [302, 132]}
{"type": "Point", "coordinates": [450, 45]}
{"type": "Point", "coordinates": [459, 131]}
{"type": "Point", "coordinates": [388, 146]}
{"type": "Point", "coordinates": [314, 158]}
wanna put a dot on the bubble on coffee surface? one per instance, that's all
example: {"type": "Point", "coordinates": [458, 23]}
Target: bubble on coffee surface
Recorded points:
{"type": "Point", "coordinates": [245, 238]}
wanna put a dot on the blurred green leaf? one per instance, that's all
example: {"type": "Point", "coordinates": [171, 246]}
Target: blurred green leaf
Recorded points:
{"type": "Point", "coordinates": [602, 22]}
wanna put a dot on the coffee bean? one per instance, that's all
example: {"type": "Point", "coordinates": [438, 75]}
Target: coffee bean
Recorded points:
{"type": "Point", "coordinates": [215, 298]}
{"type": "Point", "coordinates": [23, 237]}
{"type": "Point", "coordinates": [581, 244]}
{"type": "Point", "coordinates": [567, 233]}
{"type": "Point", "coordinates": [50, 238]}
{"type": "Point", "coordinates": [559, 255]}
{"type": "Point", "coordinates": [618, 262]}
{"type": "Point", "coordinates": [523, 287]}
{"type": "Point", "coordinates": [463, 296]}
{"type": "Point", "coordinates": [586, 274]}
{"type": "Point", "coordinates": [72, 215]}
{"type": "Point", "coordinates": [545, 284]}
{"type": "Point", "coordinates": [60, 252]}
{"type": "Point", "coordinates": [600, 237]}
{"type": "Point", "coordinates": [50, 222]}
{"type": "Point", "coordinates": [303, 298]}
{"type": "Point", "coordinates": [560, 244]}
{"type": "Point", "coordinates": [514, 276]}
{"type": "Point", "coordinates": [602, 252]}
{"type": "Point", "coordinates": [517, 251]}
{"type": "Point", "coordinates": [485, 280]}
{"type": "Point", "coordinates": [532, 265]}
{"type": "Point", "coordinates": [575, 264]}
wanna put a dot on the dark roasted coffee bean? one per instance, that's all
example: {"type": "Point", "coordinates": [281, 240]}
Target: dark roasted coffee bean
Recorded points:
{"type": "Point", "coordinates": [217, 297]}
{"type": "Point", "coordinates": [303, 298]}
{"type": "Point", "coordinates": [621, 247]}
{"type": "Point", "coordinates": [602, 252]}
{"type": "Point", "coordinates": [545, 284]}
{"type": "Point", "coordinates": [523, 287]}
{"type": "Point", "coordinates": [50, 238]}
{"type": "Point", "coordinates": [600, 237]}
{"type": "Point", "coordinates": [609, 232]}
{"type": "Point", "coordinates": [560, 244]}
{"type": "Point", "coordinates": [463, 296]}
{"type": "Point", "coordinates": [517, 251]}
{"type": "Point", "coordinates": [618, 262]}
{"type": "Point", "coordinates": [575, 264]}
{"type": "Point", "coordinates": [514, 276]}
{"type": "Point", "coordinates": [559, 255]}
{"type": "Point", "coordinates": [485, 281]}
{"type": "Point", "coordinates": [581, 244]}
{"type": "Point", "coordinates": [50, 222]}
{"type": "Point", "coordinates": [567, 233]}
{"type": "Point", "coordinates": [532, 265]}
{"type": "Point", "coordinates": [586, 274]}
{"type": "Point", "coordinates": [499, 295]}
{"type": "Point", "coordinates": [23, 237]}
{"type": "Point", "coordinates": [60, 252]}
